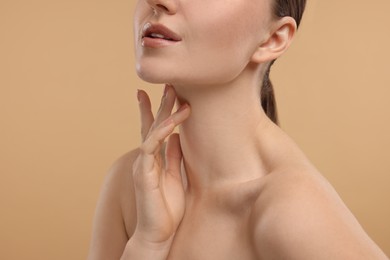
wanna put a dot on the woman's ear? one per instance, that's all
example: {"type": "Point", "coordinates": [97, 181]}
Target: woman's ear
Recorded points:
{"type": "Point", "coordinates": [280, 37]}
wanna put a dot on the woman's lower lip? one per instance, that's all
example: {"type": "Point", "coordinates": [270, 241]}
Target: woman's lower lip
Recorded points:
{"type": "Point", "coordinates": [156, 42]}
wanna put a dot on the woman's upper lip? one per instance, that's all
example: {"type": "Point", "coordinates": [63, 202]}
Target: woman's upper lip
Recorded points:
{"type": "Point", "coordinates": [159, 30]}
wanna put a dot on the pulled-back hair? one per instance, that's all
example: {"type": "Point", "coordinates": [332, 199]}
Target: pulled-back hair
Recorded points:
{"type": "Point", "coordinates": [281, 8]}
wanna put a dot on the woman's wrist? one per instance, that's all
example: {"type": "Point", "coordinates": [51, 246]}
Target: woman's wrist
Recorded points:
{"type": "Point", "coordinates": [140, 249]}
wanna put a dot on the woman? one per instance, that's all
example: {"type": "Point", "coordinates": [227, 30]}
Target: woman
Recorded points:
{"type": "Point", "coordinates": [231, 184]}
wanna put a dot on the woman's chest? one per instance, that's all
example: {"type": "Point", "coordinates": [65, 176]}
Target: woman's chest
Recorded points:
{"type": "Point", "coordinates": [208, 236]}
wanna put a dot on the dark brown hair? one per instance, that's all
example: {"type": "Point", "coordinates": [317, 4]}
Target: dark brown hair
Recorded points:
{"type": "Point", "coordinates": [281, 8]}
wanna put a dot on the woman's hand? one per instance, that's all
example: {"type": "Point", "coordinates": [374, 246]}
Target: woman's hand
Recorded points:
{"type": "Point", "coordinates": [159, 190]}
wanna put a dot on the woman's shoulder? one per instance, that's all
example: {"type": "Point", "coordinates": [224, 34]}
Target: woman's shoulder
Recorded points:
{"type": "Point", "coordinates": [118, 183]}
{"type": "Point", "coordinates": [299, 215]}
{"type": "Point", "coordinates": [120, 166]}
{"type": "Point", "coordinates": [115, 217]}
{"type": "Point", "coordinates": [292, 192]}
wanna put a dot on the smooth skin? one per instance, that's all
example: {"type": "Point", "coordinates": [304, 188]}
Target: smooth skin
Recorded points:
{"type": "Point", "coordinates": [231, 184]}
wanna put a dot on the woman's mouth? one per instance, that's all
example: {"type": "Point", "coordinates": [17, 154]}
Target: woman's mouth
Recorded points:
{"type": "Point", "coordinates": [158, 35]}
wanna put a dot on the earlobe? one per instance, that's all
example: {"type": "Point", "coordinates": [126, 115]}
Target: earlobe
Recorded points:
{"type": "Point", "coordinates": [278, 41]}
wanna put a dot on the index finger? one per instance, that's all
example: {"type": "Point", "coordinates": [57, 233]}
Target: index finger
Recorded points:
{"type": "Point", "coordinates": [145, 108]}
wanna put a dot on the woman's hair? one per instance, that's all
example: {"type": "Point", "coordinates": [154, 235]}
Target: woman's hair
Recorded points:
{"type": "Point", "coordinates": [281, 8]}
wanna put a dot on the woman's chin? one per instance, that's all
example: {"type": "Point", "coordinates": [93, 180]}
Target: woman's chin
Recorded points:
{"type": "Point", "coordinates": [151, 77]}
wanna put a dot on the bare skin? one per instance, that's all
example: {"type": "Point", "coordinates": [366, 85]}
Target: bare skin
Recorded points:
{"type": "Point", "coordinates": [231, 184]}
{"type": "Point", "coordinates": [291, 212]}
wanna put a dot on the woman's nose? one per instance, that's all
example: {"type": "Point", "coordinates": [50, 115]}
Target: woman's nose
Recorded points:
{"type": "Point", "coordinates": [164, 6]}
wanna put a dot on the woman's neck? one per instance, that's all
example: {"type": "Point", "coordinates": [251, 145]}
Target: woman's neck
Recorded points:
{"type": "Point", "coordinates": [221, 140]}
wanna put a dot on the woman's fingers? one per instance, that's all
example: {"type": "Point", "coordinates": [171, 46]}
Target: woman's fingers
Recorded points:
{"type": "Point", "coordinates": [173, 156]}
{"type": "Point", "coordinates": [154, 132]}
{"type": "Point", "coordinates": [157, 136]}
{"type": "Point", "coordinates": [160, 201]}
{"type": "Point", "coordinates": [151, 146]}
{"type": "Point", "coordinates": [147, 119]}
{"type": "Point", "coordinates": [167, 103]}
{"type": "Point", "coordinates": [146, 113]}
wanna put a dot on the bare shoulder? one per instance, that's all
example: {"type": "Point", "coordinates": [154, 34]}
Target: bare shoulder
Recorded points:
{"type": "Point", "coordinates": [298, 215]}
{"type": "Point", "coordinates": [115, 215]}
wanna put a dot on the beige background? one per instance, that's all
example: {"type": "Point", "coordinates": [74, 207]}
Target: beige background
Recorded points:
{"type": "Point", "coordinates": [67, 110]}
